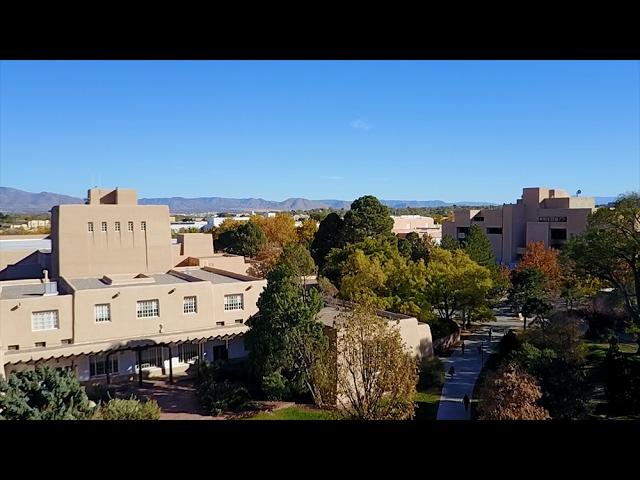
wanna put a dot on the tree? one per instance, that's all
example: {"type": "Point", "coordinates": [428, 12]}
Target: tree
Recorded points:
{"type": "Point", "coordinates": [267, 258]}
{"type": "Point", "coordinates": [279, 230]}
{"type": "Point", "coordinates": [609, 249]}
{"type": "Point", "coordinates": [43, 394]}
{"type": "Point", "coordinates": [285, 325]}
{"type": "Point", "coordinates": [376, 376]}
{"type": "Point", "coordinates": [527, 294]}
{"type": "Point", "coordinates": [455, 283]}
{"type": "Point", "coordinates": [574, 286]}
{"type": "Point", "coordinates": [544, 259]}
{"type": "Point", "coordinates": [328, 236]}
{"type": "Point", "coordinates": [298, 259]}
{"type": "Point", "coordinates": [307, 231]}
{"type": "Point", "coordinates": [511, 394]}
{"type": "Point", "coordinates": [248, 239]}
{"type": "Point", "coordinates": [367, 218]}
{"type": "Point", "coordinates": [449, 243]}
{"type": "Point", "coordinates": [478, 247]}
{"type": "Point", "coordinates": [415, 248]}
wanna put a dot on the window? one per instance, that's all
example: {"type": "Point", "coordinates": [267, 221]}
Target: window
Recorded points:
{"type": "Point", "coordinates": [478, 219]}
{"type": "Point", "coordinates": [41, 344]}
{"type": "Point", "coordinates": [152, 357]}
{"type": "Point", "coordinates": [66, 341]}
{"type": "Point", "coordinates": [233, 302]}
{"type": "Point", "coordinates": [47, 320]}
{"type": "Point", "coordinates": [187, 352]}
{"type": "Point", "coordinates": [143, 226]}
{"type": "Point", "coordinates": [552, 219]}
{"type": "Point", "coordinates": [494, 230]}
{"type": "Point", "coordinates": [190, 305]}
{"type": "Point", "coordinates": [239, 320]}
{"type": "Point", "coordinates": [89, 226]}
{"type": "Point", "coordinates": [220, 324]}
{"type": "Point", "coordinates": [103, 312]}
{"type": "Point", "coordinates": [117, 226]}
{"type": "Point", "coordinates": [148, 308]}
{"type": "Point", "coordinates": [13, 347]}
{"type": "Point", "coordinates": [103, 227]}
{"type": "Point", "coordinates": [98, 365]}
{"type": "Point", "coordinates": [220, 352]}
{"type": "Point", "coordinates": [558, 234]}
{"type": "Point", "coordinates": [130, 226]}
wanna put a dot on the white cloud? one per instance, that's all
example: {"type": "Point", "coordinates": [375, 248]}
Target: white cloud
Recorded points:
{"type": "Point", "coordinates": [361, 124]}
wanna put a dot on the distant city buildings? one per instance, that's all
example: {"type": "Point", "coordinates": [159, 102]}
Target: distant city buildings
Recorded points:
{"type": "Point", "coordinates": [404, 224]}
{"type": "Point", "coordinates": [545, 215]}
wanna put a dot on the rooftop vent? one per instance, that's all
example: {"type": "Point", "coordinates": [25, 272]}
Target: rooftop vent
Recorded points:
{"type": "Point", "coordinates": [50, 288]}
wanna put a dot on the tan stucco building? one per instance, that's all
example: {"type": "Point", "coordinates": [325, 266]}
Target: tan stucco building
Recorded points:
{"type": "Point", "coordinates": [122, 297]}
{"type": "Point", "coordinates": [545, 215]}
{"type": "Point", "coordinates": [404, 224]}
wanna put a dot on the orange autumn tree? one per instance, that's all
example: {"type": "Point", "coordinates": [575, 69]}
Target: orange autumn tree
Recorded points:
{"type": "Point", "coordinates": [544, 259]}
{"type": "Point", "coordinates": [280, 230]}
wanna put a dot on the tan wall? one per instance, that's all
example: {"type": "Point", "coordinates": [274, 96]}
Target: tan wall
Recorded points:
{"type": "Point", "coordinates": [78, 252]}
{"type": "Point", "coordinates": [15, 327]}
{"type": "Point", "coordinates": [23, 263]}
{"type": "Point", "coordinates": [251, 292]}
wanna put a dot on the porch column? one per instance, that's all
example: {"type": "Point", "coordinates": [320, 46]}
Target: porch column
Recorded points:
{"type": "Point", "coordinates": [139, 352]}
{"type": "Point", "coordinates": [106, 367]}
{"type": "Point", "coordinates": [170, 365]}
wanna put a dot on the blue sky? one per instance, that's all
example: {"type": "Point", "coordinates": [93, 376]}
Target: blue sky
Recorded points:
{"type": "Point", "coordinates": [420, 130]}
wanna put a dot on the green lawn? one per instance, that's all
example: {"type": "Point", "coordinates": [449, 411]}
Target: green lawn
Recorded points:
{"type": "Point", "coordinates": [296, 413]}
{"type": "Point", "coordinates": [427, 402]}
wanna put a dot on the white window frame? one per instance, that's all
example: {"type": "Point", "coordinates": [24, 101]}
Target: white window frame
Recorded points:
{"type": "Point", "coordinates": [98, 362]}
{"type": "Point", "coordinates": [117, 226]}
{"type": "Point", "coordinates": [99, 312]}
{"type": "Point", "coordinates": [129, 226]}
{"type": "Point", "coordinates": [230, 303]}
{"type": "Point", "coordinates": [188, 352]}
{"type": "Point", "coordinates": [148, 308]}
{"type": "Point", "coordinates": [190, 304]}
{"type": "Point", "coordinates": [143, 226]}
{"type": "Point", "coordinates": [90, 227]}
{"type": "Point", "coordinates": [45, 320]}
{"type": "Point", "coordinates": [103, 226]}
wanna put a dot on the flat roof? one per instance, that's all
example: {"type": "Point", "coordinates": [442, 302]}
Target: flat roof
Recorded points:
{"type": "Point", "coordinates": [9, 245]}
{"type": "Point", "coordinates": [27, 290]}
{"type": "Point", "coordinates": [329, 314]}
{"type": "Point", "coordinates": [213, 277]}
{"type": "Point", "coordinates": [94, 283]}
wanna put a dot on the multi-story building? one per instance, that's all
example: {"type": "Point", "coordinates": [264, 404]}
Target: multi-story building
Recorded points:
{"type": "Point", "coordinates": [404, 224]}
{"type": "Point", "coordinates": [543, 215]}
{"type": "Point", "coordinates": [123, 300]}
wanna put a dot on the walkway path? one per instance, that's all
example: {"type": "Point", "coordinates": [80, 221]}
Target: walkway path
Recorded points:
{"type": "Point", "coordinates": [467, 367]}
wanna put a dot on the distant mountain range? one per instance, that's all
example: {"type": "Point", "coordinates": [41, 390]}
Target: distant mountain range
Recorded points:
{"type": "Point", "coordinates": [13, 200]}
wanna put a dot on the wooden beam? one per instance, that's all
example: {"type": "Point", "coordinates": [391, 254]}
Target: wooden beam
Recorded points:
{"type": "Point", "coordinates": [170, 365]}
{"type": "Point", "coordinates": [139, 351]}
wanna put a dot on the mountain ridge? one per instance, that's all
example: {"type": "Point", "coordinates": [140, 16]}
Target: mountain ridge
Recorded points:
{"type": "Point", "coordinates": [13, 200]}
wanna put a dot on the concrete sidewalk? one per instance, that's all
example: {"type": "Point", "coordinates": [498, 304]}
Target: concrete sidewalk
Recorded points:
{"type": "Point", "coordinates": [467, 367]}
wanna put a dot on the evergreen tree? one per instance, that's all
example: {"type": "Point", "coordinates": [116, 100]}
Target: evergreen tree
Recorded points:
{"type": "Point", "coordinates": [478, 247]}
{"type": "Point", "coordinates": [367, 218]}
{"type": "Point", "coordinates": [449, 243]}
{"type": "Point", "coordinates": [328, 236]}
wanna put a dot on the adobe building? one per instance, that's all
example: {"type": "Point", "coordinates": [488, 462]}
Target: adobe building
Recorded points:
{"type": "Point", "coordinates": [404, 224]}
{"type": "Point", "coordinates": [545, 215]}
{"type": "Point", "coordinates": [116, 297]}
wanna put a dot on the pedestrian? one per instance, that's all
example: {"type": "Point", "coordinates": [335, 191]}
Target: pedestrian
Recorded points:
{"type": "Point", "coordinates": [466, 402]}
{"type": "Point", "coordinates": [452, 371]}
{"type": "Point", "coordinates": [490, 333]}
{"type": "Point", "coordinates": [462, 347]}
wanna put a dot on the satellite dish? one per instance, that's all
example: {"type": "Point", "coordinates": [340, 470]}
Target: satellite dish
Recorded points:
{"type": "Point", "coordinates": [578, 192]}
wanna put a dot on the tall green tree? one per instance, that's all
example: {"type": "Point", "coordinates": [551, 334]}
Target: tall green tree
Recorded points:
{"type": "Point", "coordinates": [285, 325]}
{"type": "Point", "coordinates": [246, 239]}
{"type": "Point", "coordinates": [609, 249]}
{"type": "Point", "coordinates": [478, 247]}
{"type": "Point", "coordinates": [449, 243]}
{"type": "Point", "coordinates": [297, 257]}
{"type": "Point", "coordinates": [328, 236]}
{"type": "Point", "coordinates": [415, 247]}
{"type": "Point", "coordinates": [367, 218]}
{"type": "Point", "coordinates": [528, 294]}
{"type": "Point", "coordinates": [43, 394]}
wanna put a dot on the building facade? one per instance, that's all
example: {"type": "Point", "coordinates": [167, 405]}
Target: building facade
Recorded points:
{"type": "Point", "coordinates": [123, 301]}
{"type": "Point", "coordinates": [545, 215]}
{"type": "Point", "coordinates": [404, 224]}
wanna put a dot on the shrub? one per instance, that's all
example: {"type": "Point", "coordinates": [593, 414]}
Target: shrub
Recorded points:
{"type": "Point", "coordinates": [100, 392]}
{"type": "Point", "coordinates": [129, 409]}
{"type": "Point", "coordinates": [217, 397]}
{"type": "Point", "coordinates": [274, 386]}
{"type": "Point", "coordinates": [431, 373]}
{"type": "Point", "coordinates": [509, 344]}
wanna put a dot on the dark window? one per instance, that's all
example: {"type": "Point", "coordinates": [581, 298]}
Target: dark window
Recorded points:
{"type": "Point", "coordinates": [13, 347]}
{"type": "Point", "coordinates": [220, 324]}
{"type": "Point", "coordinates": [41, 344]}
{"type": "Point", "coordinates": [220, 352]}
{"type": "Point", "coordinates": [494, 230]}
{"type": "Point", "coordinates": [558, 234]}
{"type": "Point", "coordinates": [239, 320]}
{"type": "Point", "coordinates": [66, 341]}
{"type": "Point", "coordinates": [478, 219]}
